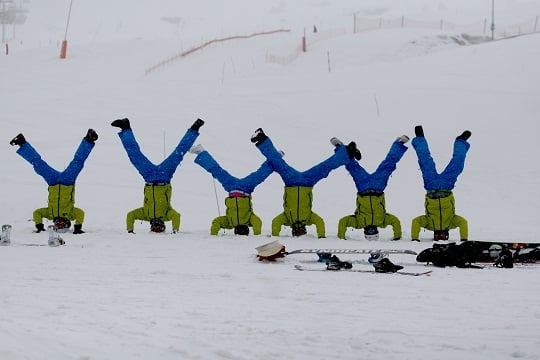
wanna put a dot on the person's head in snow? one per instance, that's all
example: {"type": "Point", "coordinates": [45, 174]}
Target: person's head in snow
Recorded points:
{"type": "Point", "coordinates": [157, 226]}
{"type": "Point", "coordinates": [298, 197]}
{"type": "Point", "coordinates": [439, 204]}
{"type": "Point", "coordinates": [241, 230]}
{"type": "Point", "coordinates": [441, 235]}
{"type": "Point", "coordinates": [157, 189]}
{"type": "Point", "coordinates": [298, 229]}
{"type": "Point", "coordinates": [61, 224]}
{"type": "Point", "coordinates": [371, 233]}
{"type": "Point", "coordinates": [239, 213]}
{"type": "Point", "coordinates": [370, 211]}
{"type": "Point", "coordinates": [61, 199]}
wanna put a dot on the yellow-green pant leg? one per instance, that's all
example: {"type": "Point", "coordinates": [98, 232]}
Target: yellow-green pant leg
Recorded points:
{"type": "Point", "coordinates": [418, 223]}
{"type": "Point", "coordinates": [319, 224]}
{"type": "Point", "coordinates": [393, 221]}
{"type": "Point", "coordinates": [77, 215]}
{"type": "Point", "coordinates": [344, 223]}
{"type": "Point", "coordinates": [462, 224]}
{"type": "Point", "coordinates": [256, 223]}
{"type": "Point", "coordinates": [277, 222]}
{"type": "Point", "coordinates": [221, 222]}
{"type": "Point", "coordinates": [174, 217]}
{"type": "Point", "coordinates": [39, 214]}
{"type": "Point", "coordinates": [137, 214]}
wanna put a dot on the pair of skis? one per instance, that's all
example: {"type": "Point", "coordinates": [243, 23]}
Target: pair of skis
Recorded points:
{"type": "Point", "coordinates": [324, 254]}
{"type": "Point", "coordinates": [329, 252]}
{"type": "Point", "coordinates": [54, 237]}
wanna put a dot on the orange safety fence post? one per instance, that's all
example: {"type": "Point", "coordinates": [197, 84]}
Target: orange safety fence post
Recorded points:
{"type": "Point", "coordinates": [63, 51]}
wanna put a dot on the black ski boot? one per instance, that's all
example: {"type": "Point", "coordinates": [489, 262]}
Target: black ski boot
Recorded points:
{"type": "Point", "coordinates": [258, 137]}
{"type": "Point", "coordinates": [505, 259]}
{"type": "Point", "coordinates": [77, 229]}
{"type": "Point", "coordinates": [197, 125]}
{"type": "Point", "coordinates": [17, 140]}
{"type": "Point", "coordinates": [464, 136]}
{"type": "Point", "coordinates": [196, 149]}
{"type": "Point", "coordinates": [39, 228]}
{"type": "Point", "coordinates": [123, 124]}
{"type": "Point", "coordinates": [353, 151]}
{"type": "Point", "coordinates": [403, 139]}
{"type": "Point", "coordinates": [91, 136]}
{"type": "Point", "coordinates": [335, 264]}
{"type": "Point", "coordinates": [335, 141]}
{"type": "Point", "coordinates": [385, 266]}
{"type": "Point", "coordinates": [419, 131]}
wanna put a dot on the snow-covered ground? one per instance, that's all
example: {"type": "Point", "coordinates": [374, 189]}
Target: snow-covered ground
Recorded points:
{"type": "Point", "coordinates": [112, 295]}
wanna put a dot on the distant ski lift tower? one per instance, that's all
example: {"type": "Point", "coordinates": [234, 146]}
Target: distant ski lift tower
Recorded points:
{"type": "Point", "coordinates": [10, 14]}
{"type": "Point", "coordinates": [7, 16]}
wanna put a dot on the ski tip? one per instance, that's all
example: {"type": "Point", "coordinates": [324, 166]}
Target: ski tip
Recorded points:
{"type": "Point", "coordinates": [411, 252]}
{"type": "Point", "coordinates": [298, 267]}
{"type": "Point", "coordinates": [426, 273]}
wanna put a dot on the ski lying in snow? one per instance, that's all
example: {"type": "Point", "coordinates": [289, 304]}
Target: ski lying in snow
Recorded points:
{"type": "Point", "coordinates": [303, 268]}
{"type": "Point", "coordinates": [351, 251]}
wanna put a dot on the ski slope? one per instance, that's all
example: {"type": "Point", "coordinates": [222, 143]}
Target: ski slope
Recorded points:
{"type": "Point", "coordinates": [107, 294]}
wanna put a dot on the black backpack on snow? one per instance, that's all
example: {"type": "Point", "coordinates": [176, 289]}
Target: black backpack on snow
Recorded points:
{"type": "Point", "coordinates": [450, 254]}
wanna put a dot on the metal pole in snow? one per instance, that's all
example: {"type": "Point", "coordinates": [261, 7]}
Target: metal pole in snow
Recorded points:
{"type": "Point", "coordinates": [69, 16]}
{"type": "Point", "coordinates": [328, 56]}
{"type": "Point", "coordinates": [63, 51]}
{"type": "Point", "coordinates": [492, 19]}
{"type": "Point", "coordinates": [377, 105]}
{"type": "Point", "coordinates": [164, 154]}
{"type": "Point", "coordinates": [217, 200]}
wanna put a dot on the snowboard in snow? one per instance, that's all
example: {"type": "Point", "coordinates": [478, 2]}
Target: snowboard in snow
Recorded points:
{"type": "Point", "coordinates": [304, 268]}
{"type": "Point", "coordinates": [485, 244]}
{"type": "Point", "coordinates": [351, 251]}
{"type": "Point", "coordinates": [275, 247]}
